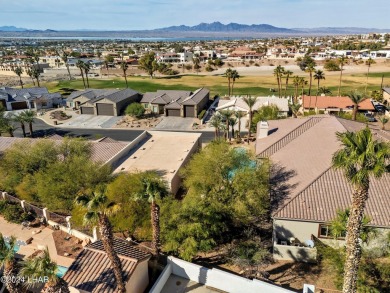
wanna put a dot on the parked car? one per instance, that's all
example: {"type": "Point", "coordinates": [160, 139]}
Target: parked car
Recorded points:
{"type": "Point", "coordinates": [370, 117]}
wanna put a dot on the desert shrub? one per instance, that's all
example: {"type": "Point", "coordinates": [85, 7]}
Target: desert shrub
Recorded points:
{"type": "Point", "coordinates": [321, 112]}
{"type": "Point", "coordinates": [201, 114]}
{"type": "Point", "coordinates": [209, 68]}
{"type": "Point", "coordinates": [331, 65]}
{"type": "Point", "coordinates": [135, 110]}
{"type": "Point", "coordinates": [310, 113]}
{"type": "Point", "coordinates": [15, 214]}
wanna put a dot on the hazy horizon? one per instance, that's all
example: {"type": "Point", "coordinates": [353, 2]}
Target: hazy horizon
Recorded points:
{"type": "Point", "coordinates": [151, 14]}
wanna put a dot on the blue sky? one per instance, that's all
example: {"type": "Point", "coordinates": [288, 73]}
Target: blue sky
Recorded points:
{"type": "Point", "coordinates": [149, 14]}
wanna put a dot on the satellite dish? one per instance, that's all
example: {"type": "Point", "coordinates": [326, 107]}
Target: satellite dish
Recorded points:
{"type": "Point", "coordinates": [309, 243]}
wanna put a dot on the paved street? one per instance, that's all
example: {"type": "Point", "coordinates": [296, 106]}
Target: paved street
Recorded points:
{"type": "Point", "coordinates": [91, 121]}
{"type": "Point", "coordinates": [42, 129]}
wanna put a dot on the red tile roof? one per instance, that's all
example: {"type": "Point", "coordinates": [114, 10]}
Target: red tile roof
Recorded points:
{"type": "Point", "coordinates": [324, 102]}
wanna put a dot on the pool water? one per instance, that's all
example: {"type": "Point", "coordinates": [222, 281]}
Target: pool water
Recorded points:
{"type": "Point", "coordinates": [16, 247]}
{"type": "Point", "coordinates": [61, 271]}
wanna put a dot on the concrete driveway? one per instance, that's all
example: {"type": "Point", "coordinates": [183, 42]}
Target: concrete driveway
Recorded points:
{"type": "Point", "coordinates": [175, 123]}
{"type": "Point", "coordinates": [91, 121]}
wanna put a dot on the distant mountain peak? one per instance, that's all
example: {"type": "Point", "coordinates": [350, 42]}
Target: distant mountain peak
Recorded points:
{"type": "Point", "coordinates": [217, 26]}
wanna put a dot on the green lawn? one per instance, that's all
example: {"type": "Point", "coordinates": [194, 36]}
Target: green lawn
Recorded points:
{"type": "Point", "coordinates": [246, 85]}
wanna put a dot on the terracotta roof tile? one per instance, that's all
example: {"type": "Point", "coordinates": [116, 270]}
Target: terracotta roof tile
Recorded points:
{"type": "Point", "coordinates": [324, 102]}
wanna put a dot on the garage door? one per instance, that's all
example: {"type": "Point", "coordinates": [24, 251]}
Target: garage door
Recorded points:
{"type": "Point", "coordinates": [19, 105]}
{"type": "Point", "coordinates": [189, 111]}
{"type": "Point", "coordinates": [173, 112]}
{"type": "Point", "coordinates": [87, 110]}
{"type": "Point", "coordinates": [105, 109]}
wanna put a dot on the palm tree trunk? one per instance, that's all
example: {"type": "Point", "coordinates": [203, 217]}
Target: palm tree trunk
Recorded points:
{"type": "Point", "coordinates": [239, 127]}
{"type": "Point", "coordinates": [318, 90]}
{"type": "Point", "coordinates": [310, 83]}
{"type": "Point", "coordinates": [232, 132]}
{"type": "Point", "coordinates": [353, 249]}
{"type": "Point", "coordinates": [61, 286]}
{"type": "Point", "coordinates": [227, 129]}
{"type": "Point", "coordinates": [10, 274]}
{"type": "Point", "coordinates": [38, 82]}
{"type": "Point", "coordinates": [67, 67]}
{"type": "Point", "coordinates": [31, 129]}
{"type": "Point", "coordinates": [368, 71]}
{"type": "Point", "coordinates": [232, 87]}
{"type": "Point", "coordinates": [86, 76]}
{"type": "Point", "coordinates": [124, 73]}
{"type": "Point", "coordinates": [229, 86]}
{"type": "Point", "coordinates": [285, 90]}
{"type": "Point", "coordinates": [216, 133]}
{"type": "Point", "coordinates": [82, 75]}
{"type": "Point", "coordinates": [354, 112]}
{"type": "Point", "coordinates": [277, 78]}
{"type": "Point", "coordinates": [250, 124]}
{"type": "Point", "coordinates": [33, 80]}
{"type": "Point", "coordinates": [108, 244]}
{"type": "Point", "coordinates": [155, 216]}
{"type": "Point", "coordinates": [20, 80]}
{"type": "Point", "coordinates": [23, 129]}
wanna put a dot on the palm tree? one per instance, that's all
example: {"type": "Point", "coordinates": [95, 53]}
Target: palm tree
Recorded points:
{"type": "Point", "coordinates": [216, 122]}
{"type": "Point", "coordinates": [20, 119]}
{"type": "Point", "coordinates": [196, 62]}
{"type": "Point", "coordinates": [124, 67]}
{"type": "Point", "coordinates": [278, 73]}
{"type": "Point", "coordinates": [302, 83]}
{"type": "Point", "coordinates": [295, 106]}
{"type": "Point", "coordinates": [356, 99]}
{"type": "Point", "coordinates": [64, 58]}
{"type": "Point", "coordinates": [250, 101]}
{"type": "Point", "coordinates": [383, 120]}
{"type": "Point", "coordinates": [80, 65]}
{"type": "Point", "coordinates": [228, 75]}
{"type": "Point", "coordinates": [28, 116]}
{"type": "Point", "coordinates": [8, 262]}
{"type": "Point", "coordinates": [6, 125]}
{"type": "Point", "coordinates": [98, 209]}
{"type": "Point", "coordinates": [369, 62]}
{"type": "Point", "coordinates": [227, 114]}
{"type": "Point", "coordinates": [342, 61]}
{"type": "Point", "coordinates": [31, 75]}
{"type": "Point", "coordinates": [310, 69]}
{"type": "Point", "coordinates": [239, 115]}
{"type": "Point", "coordinates": [296, 81]}
{"type": "Point", "coordinates": [360, 158]}
{"type": "Point", "coordinates": [19, 71]}
{"type": "Point", "coordinates": [154, 189]}
{"type": "Point", "coordinates": [87, 68]}
{"type": "Point", "coordinates": [287, 75]}
{"type": "Point", "coordinates": [325, 91]}
{"type": "Point", "coordinates": [42, 265]}
{"type": "Point", "coordinates": [36, 75]}
{"type": "Point", "coordinates": [234, 76]}
{"type": "Point", "coordinates": [232, 123]}
{"type": "Point", "coordinates": [318, 75]}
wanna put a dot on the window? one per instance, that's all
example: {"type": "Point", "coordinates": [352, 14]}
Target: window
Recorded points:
{"type": "Point", "coordinates": [324, 231]}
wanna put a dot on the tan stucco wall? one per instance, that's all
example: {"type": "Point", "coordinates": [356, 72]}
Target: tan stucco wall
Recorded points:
{"type": "Point", "coordinates": [139, 280]}
{"type": "Point", "coordinates": [284, 229]}
{"type": "Point", "coordinates": [386, 96]}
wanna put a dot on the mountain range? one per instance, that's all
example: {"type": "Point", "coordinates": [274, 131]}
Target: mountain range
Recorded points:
{"type": "Point", "coordinates": [200, 30]}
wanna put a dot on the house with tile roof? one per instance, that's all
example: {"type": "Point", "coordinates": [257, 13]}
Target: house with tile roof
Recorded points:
{"type": "Point", "coordinates": [236, 103]}
{"type": "Point", "coordinates": [29, 98]}
{"type": "Point", "coordinates": [109, 102]}
{"type": "Point", "coordinates": [307, 192]}
{"type": "Point", "coordinates": [330, 104]}
{"type": "Point", "coordinates": [176, 103]}
{"type": "Point", "coordinates": [92, 272]}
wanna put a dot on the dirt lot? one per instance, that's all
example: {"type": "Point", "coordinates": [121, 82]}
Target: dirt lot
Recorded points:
{"type": "Point", "coordinates": [146, 123]}
{"type": "Point", "coordinates": [66, 243]}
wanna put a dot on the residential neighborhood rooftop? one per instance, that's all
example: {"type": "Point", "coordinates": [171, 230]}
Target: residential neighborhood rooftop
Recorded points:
{"type": "Point", "coordinates": [325, 102]}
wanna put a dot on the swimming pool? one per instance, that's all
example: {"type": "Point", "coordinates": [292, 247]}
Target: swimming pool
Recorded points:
{"type": "Point", "coordinates": [61, 271]}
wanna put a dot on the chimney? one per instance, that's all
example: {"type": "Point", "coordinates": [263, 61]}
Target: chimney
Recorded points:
{"type": "Point", "coordinates": [263, 129]}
